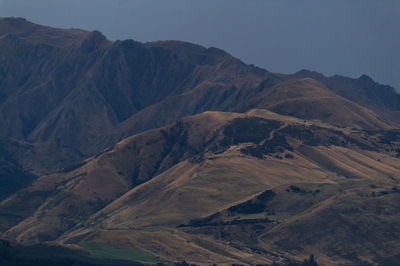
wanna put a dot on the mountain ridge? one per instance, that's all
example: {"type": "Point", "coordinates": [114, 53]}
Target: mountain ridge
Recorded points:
{"type": "Point", "coordinates": [375, 94]}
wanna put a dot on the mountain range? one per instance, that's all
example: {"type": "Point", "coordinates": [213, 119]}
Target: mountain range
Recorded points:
{"type": "Point", "coordinates": [180, 152]}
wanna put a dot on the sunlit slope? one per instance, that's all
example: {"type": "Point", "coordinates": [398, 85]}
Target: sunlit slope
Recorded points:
{"type": "Point", "coordinates": [216, 200]}
{"type": "Point", "coordinates": [202, 166]}
{"type": "Point", "coordinates": [57, 202]}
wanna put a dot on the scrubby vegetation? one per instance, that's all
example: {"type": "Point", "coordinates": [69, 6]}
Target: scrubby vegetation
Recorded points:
{"type": "Point", "coordinates": [389, 136]}
{"type": "Point", "coordinates": [251, 129]}
{"type": "Point", "coordinates": [278, 143]}
{"type": "Point", "coordinates": [296, 189]}
{"type": "Point", "coordinates": [256, 205]}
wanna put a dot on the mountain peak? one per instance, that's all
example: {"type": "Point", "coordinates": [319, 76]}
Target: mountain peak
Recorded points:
{"type": "Point", "coordinates": [93, 41]}
{"type": "Point", "coordinates": [40, 34]}
{"type": "Point", "coordinates": [366, 78]}
{"type": "Point", "coordinates": [15, 21]}
{"type": "Point", "coordinates": [15, 25]}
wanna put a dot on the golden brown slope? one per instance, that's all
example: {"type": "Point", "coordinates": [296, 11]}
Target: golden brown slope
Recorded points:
{"type": "Point", "coordinates": [190, 191]}
{"type": "Point", "coordinates": [67, 198]}
{"type": "Point", "coordinates": [201, 166]}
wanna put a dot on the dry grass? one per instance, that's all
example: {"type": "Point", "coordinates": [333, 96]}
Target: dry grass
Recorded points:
{"type": "Point", "coordinates": [186, 189]}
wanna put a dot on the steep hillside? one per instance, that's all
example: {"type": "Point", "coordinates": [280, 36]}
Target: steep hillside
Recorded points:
{"type": "Point", "coordinates": [12, 175]}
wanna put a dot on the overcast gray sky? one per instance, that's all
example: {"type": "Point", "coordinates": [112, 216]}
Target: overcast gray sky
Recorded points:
{"type": "Point", "coordinates": [348, 37]}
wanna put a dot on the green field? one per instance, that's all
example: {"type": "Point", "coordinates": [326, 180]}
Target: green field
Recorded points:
{"type": "Point", "coordinates": [103, 251]}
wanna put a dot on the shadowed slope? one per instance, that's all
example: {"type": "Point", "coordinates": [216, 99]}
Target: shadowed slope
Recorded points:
{"type": "Point", "coordinates": [99, 180]}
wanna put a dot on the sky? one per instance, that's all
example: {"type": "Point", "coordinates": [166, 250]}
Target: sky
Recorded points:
{"type": "Point", "coordinates": [346, 37]}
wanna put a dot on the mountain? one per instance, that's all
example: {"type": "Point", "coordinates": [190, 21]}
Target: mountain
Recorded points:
{"type": "Point", "coordinates": [75, 89]}
{"type": "Point", "coordinates": [169, 151]}
{"type": "Point", "coordinates": [74, 93]}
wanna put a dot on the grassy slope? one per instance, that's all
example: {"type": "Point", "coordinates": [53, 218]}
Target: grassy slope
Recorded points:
{"type": "Point", "coordinates": [182, 200]}
{"type": "Point", "coordinates": [225, 179]}
{"type": "Point", "coordinates": [188, 186]}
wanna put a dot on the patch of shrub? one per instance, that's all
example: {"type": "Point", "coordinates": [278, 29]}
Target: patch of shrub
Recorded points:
{"type": "Point", "coordinates": [256, 205]}
{"type": "Point", "coordinates": [253, 129]}
{"type": "Point", "coordinates": [296, 189]}
{"type": "Point", "coordinates": [289, 156]}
